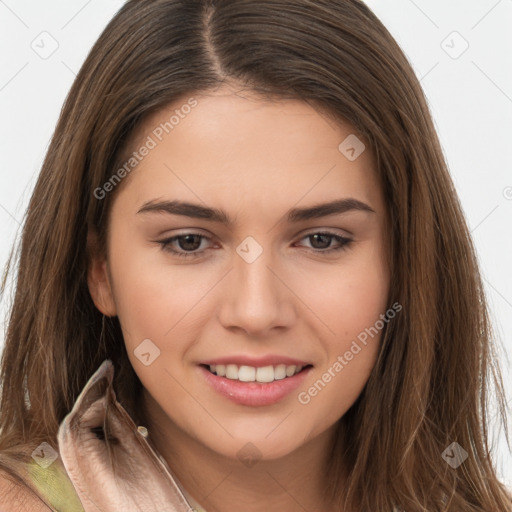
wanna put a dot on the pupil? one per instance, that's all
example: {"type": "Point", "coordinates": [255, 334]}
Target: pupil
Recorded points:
{"type": "Point", "coordinates": [319, 236]}
{"type": "Point", "coordinates": [191, 243]}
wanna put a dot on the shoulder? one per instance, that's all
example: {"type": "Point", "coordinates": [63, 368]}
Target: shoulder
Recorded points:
{"type": "Point", "coordinates": [14, 496]}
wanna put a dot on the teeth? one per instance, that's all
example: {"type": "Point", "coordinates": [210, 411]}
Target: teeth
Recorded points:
{"type": "Point", "coordinates": [262, 374]}
{"type": "Point", "coordinates": [246, 373]}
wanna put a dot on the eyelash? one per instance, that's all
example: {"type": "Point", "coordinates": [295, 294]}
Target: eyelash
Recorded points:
{"type": "Point", "coordinates": [343, 241]}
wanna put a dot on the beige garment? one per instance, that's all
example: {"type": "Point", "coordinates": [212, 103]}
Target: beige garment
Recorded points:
{"type": "Point", "coordinates": [140, 480]}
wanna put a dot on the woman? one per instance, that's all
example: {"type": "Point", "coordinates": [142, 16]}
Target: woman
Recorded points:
{"type": "Point", "coordinates": [168, 348]}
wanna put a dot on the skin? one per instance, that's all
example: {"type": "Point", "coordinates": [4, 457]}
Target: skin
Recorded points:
{"type": "Point", "coordinates": [255, 159]}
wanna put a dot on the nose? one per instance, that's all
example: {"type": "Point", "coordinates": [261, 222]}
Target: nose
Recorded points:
{"type": "Point", "coordinates": [257, 299]}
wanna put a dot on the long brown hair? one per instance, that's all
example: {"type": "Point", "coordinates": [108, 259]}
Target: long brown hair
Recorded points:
{"type": "Point", "coordinates": [336, 55]}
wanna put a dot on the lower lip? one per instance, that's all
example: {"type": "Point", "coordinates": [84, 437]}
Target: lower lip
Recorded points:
{"type": "Point", "coordinates": [254, 393]}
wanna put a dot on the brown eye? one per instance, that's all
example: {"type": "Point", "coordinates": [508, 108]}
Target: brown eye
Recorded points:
{"type": "Point", "coordinates": [321, 241]}
{"type": "Point", "coordinates": [186, 245]}
{"type": "Point", "coordinates": [189, 242]}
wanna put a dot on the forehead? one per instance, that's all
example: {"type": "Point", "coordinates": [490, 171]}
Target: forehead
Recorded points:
{"type": "Point", "coordinates": [239, 146]}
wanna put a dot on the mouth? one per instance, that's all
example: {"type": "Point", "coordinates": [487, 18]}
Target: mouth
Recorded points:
{"type": "Point", "coordinates": [254, 385]}
{"type": "Point", "coordinates": [260, 374]}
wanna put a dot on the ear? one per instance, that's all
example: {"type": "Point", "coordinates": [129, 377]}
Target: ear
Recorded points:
{"type": "Point", "coordinates": [98, 279]}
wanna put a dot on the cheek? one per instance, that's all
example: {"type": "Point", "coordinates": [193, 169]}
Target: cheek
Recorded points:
{"type": "Point", "coordinates": [350, 302]}
{"type": "Point", "coordinates": [351, 350]}
{"type": "Point", "coordinates": [348, 299]}
{"type": "Point", "coordinates": [151, 297]}
{"type": "Point", "coordinates": [151, 287]}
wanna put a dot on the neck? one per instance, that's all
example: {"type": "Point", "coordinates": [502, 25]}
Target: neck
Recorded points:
{"type": "Point", "coordinates": [291, 483]}
{"type": "Point", "coordinates": [217, 483]}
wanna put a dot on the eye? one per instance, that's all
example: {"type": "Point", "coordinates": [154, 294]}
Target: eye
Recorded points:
{"type": "Point", "coordinates": [321, 241]}
{"type": "Point", "coordinates": [188, 244]}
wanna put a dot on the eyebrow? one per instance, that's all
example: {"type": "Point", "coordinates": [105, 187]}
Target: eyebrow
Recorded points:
{"type": "Point", "coordinates": [294, 215]}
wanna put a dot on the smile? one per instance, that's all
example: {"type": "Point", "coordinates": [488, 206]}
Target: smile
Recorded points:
{"type": "Point", "coordinates": [262, 374]}
{"type": "Point", "coordinates": [251, 385]}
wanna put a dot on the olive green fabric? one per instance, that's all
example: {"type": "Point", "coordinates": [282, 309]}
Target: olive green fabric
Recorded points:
{"type": "Point", "coordinates": [55, 487]}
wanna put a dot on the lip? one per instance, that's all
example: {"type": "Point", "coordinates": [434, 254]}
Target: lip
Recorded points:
{"type": "Point", "coordinates": [254, 394]}
{"type": "Point", "coordinates": [257, 362]}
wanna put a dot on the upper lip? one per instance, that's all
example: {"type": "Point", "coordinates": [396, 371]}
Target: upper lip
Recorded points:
{"type": "Point", "coordinates": [245, 360]}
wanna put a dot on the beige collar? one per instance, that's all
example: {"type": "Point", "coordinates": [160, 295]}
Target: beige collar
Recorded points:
{"type": "Point", "coordinates": [135, 477]}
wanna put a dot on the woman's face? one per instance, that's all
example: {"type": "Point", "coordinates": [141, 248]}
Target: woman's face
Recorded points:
{"type": "Point", "coordinates": [249, 234]}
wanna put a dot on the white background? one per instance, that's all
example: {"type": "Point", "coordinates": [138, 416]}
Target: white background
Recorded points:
{"type": "Point", "coordinates": [470, 97]}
